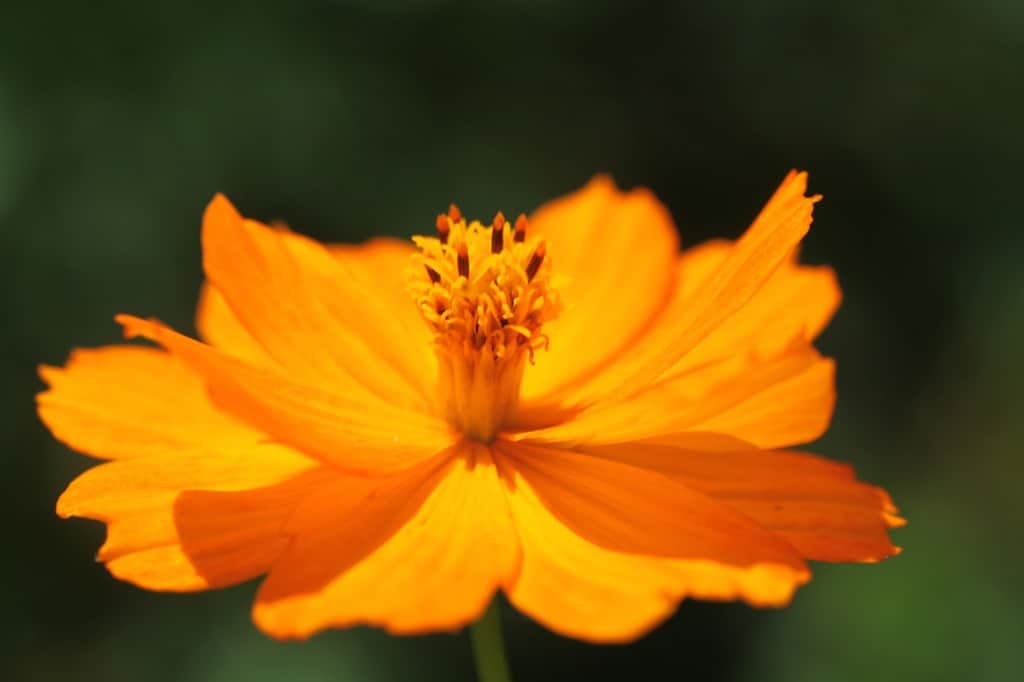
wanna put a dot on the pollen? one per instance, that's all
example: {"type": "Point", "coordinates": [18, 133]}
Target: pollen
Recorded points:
{"type": "Point", "coordinates": [486, 293]}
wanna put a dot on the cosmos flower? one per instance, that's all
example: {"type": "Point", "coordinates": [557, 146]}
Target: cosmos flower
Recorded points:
{"type": "Point", "coordinates": [562, 408]}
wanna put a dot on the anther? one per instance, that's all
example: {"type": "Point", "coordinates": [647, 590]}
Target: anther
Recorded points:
{"type": "Point", "coordinates": [498, 233]}
{"type": "Point", "coordinates": [463, 259]}
{"type": "Point", "coordinates": [520, 233]}
{"type": "Point", "coordinates": [535, 260]}
{"type": "Point", "coordinates": [443, 227]}
{"type": "Point", "coordinates": [454, 213]}
{"type": "Point", "coordinates": [434, 276]}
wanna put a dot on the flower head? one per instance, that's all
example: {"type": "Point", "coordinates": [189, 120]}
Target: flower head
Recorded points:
{"type": "Point", "coordinates": [560, 407]}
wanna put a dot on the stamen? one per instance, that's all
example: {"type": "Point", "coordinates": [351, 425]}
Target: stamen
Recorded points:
{"type": "Point", "coordinates": [463, 259]}
{"type": "Point", "coordinates": [443, 227]}
{"type": "Point", "coordinates": [498, 233]}
{"type": "Point", "coordinates": [538, 257]}
{"type": "Point", "coordinates": [520, 233]}
{"type": "Point", "coordinates": [486, 297]}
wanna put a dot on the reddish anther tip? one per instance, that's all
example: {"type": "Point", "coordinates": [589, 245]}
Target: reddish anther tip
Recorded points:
{"type": "Point", "coordinates": [498, 233]}
{"type": "Point", "coordinates": [520, 233]}
{"type": "Point", "coordinates": [454, 213]}
{"type": "Point", "coordinates": [535, 260]}
{"type": "Point", "coordinates": [443, 227]}
{"type": "Point", "coordinates": [463, 259]}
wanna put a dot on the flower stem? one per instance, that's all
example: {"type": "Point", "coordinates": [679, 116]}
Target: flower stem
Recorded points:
{"type": "Point", "coordinates": [489, 647]}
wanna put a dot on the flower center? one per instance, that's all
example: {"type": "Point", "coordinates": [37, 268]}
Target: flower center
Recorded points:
{"type": "Point", "coordinates": [485, 291]}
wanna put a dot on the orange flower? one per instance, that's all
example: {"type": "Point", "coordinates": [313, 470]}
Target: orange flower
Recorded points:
{"type": "Point", "coordinates": [564, 409]}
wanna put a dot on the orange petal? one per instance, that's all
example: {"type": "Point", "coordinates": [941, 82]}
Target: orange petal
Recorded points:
{"type": "Point", "coordinates": [380, 265]}
{"type": "Point", "coordinates": [310, 313]}
{"type": "Point", "coordinates": [128, 401]}
{"type": "Point", "coordinates": [218, 326]}
{"type": "Point", "coordinates": [757, 255]}
{"type": "Point", "coordinates": [162, 535]}
{"type": "Point", "coordinates": [373, 264]}
{"type": "Point", "coordinates": [416, 554]}
{"type": "Point", "coordinates": [618, 252]}
{"type": "Point", "coordinates": [776, 403]}
{"type": "Point", "coordinates": [796, 302]}
{"type": "Point", "coordinates": [350, 430]}
{"type": "Point", "coordinates": [814, 504]}
{"type": "Point", "coordinates": [609, 549]}
{"type": "Point", "coordinates": [725, 288]}
{"type": "Point", "coordinates": [785, 402]}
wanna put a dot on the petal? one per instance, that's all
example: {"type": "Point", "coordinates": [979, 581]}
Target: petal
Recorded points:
{"type": "Point", "coordinates": [814, 504]}
{"type": "Point", "coordinates": [618, 252]}
{"type": "Point", "coordinates": [353, 431]}
{"type": "Point", "coordinates": [785, 402]}
{"type": "Point", "coordinates": [417, 553]}
{"type": "Point", "coordinates": [163, 535]}
{"type": "Point", "coordinates": [374, 264]}
{"type": "Point", "coordinates": [797, 302]}
{"type": "Point", "coordinates": [782, 402]}
{"type": "Point", "coordinates": [218, 326]}
{"type": "Point", "coordinates": [311, 314]}
{"type": "Point", "coordinates": [381, 265]}
{"type": "Point", "coordinates": [722, 291]}
{"type": "Point", "coordinates": [609, 549]}
{"type": "Point", "coordinates": [127, 401]}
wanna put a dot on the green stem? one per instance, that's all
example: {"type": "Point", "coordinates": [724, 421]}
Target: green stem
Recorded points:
{"type": "Point", "coordinates": [489, 647]}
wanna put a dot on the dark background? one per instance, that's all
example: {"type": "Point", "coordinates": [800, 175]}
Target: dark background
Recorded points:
{"type": "Point", "coordinates": [118, 121]}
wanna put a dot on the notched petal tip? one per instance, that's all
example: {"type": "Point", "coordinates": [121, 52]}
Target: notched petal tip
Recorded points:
{"type": "Point", "coordinates": [794, 186]}
{"type": "Point", "coordinates": [48, 374]}
{"type": "Point", "coordinates": [137, 327]}
{"type": "Point", "coordinates": [220, 208]}
{"type": "Point", "coordinates": [66, 506]}
{"type": "Point", "coordinates": [889, 553]}
{"type": "Point", "coordinates": [603, 181]}
{"type": "Point", "coordinates": [893, 520]}
{"type": "Point", "coordinates": [62, 511]}
{"type": "Point", "coordinates": [797, 178]}
{"type": "Point", "coordinates": [772, 586]}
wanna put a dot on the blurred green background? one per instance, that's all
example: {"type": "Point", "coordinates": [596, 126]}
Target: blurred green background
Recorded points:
{"type": "Point", "coordinates": [119, 120]}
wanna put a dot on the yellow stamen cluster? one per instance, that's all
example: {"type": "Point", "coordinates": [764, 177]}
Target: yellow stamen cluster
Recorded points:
{"type": "Point", "coordinates": [485, 291]}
